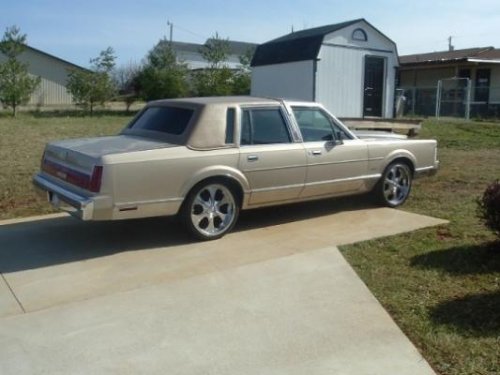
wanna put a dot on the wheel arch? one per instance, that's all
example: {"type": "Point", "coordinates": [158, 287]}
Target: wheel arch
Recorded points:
{"type": "Point", "coordinates": [402, 156]}
{"type": "Point", "coordinates": [232, 177]}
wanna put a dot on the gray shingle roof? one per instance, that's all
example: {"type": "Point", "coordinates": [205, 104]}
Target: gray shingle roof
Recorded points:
{"type": "Point", "coordinates": [297, 46]}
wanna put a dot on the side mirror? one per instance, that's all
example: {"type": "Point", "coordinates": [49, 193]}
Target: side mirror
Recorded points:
{"type": "Point", "coordinates": [339, 138]}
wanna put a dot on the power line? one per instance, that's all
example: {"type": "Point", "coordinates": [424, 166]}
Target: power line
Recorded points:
{"type": "Point", "coordinates": [191, 32]}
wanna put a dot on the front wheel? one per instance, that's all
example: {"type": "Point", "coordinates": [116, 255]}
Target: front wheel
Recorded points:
{"type": "Point", "coordinates": [394, 187]}
{"type": "Point", "coordinates": [210, 210]}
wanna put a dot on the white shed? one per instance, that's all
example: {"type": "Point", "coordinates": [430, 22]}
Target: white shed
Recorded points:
{"type": "Point", "coordinates": [349, 67]}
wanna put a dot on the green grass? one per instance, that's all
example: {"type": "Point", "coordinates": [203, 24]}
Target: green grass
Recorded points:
{"type": "Point", "coordinates": [441, 285]}
{"type": "Point", "coordinates": [22, 141]}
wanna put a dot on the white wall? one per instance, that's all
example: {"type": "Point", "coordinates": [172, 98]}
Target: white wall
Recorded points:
{"type": "Point", "coordinates": [340, 73]}
{"type": "Point", "coordinates": [293, 80]}
{"type": "Point", "coordinates": [375, 39]}
{"type": "Point", "coordinates": [195, 60]}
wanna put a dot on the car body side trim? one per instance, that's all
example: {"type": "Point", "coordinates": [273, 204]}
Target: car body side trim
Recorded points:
{"type": "Point", "coordinates": [152, 201]}
{"type": "Point", "coordinates": [349, 179]}
{"type": "Point", "coordinates": [366, 177]}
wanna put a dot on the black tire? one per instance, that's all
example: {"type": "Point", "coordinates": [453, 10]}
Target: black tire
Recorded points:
{"type": "Point", "coordinates": [210, 210]}
{"type": "Point", "coordinates": [394, 186]}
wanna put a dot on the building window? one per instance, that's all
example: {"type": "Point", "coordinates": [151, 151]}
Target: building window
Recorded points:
{"type": "Point", "coordinates": [359, 34]}
{"type": "Point", "coordinates": [482, 92]}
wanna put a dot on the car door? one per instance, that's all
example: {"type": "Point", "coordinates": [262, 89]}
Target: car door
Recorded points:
{"type": "Point", "coordinates": [336, 162]}
{"type": "Point", "coordinates": [270, 158]}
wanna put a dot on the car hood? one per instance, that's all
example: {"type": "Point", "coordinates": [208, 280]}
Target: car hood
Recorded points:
{"type": "Point", "coordinates": [97, 147]}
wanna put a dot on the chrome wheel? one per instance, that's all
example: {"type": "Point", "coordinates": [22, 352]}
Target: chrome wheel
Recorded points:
{"type": "Point", "coordinates": [396, 184]}
{"type": "Point", "coordinates": [213, 211]}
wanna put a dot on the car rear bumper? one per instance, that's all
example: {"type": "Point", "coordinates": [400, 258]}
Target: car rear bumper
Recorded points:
{"type": "Point", "coordinates": [63, 199]}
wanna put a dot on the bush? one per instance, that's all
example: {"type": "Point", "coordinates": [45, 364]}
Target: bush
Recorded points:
{"type": "Point", "coordinates": [489, 207]}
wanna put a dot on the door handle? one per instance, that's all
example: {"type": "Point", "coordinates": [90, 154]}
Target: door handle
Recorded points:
{"type": "Point", "coordinates": [252, 158]}
{"type": "Point", "coordinates": [316, 152]}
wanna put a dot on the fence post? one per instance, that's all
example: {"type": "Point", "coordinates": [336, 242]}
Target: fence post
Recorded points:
{"type": "Point", "coordinates": [438, 99]}
{"type": "Point", "coordinates": [413, 99]}
{"type": "Point", "coordinates": [467, 104]}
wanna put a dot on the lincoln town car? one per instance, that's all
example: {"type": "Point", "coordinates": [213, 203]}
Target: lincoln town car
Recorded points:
{"type": "Point", "coordinates": [206, 159]}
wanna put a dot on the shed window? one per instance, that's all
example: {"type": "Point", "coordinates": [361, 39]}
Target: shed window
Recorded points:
{"type": "Point", "coordinates": [359, 34]}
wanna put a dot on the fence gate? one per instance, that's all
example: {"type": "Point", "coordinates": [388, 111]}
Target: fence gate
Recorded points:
{"type": "Point", "coordinates": [453, 96]}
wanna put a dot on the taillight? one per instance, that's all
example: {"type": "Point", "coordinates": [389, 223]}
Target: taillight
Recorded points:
{"type": "Point", "coordinates": [96, 179]}
{"type": "Point", "coordinates": [43, 160]}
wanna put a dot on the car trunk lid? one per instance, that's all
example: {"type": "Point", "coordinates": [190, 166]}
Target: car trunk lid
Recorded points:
{"type": "Point", "coordinates": [79, 161]}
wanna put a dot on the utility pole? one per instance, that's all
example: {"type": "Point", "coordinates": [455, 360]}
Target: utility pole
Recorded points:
{"type": "Point", "coordinates": [171, 29]}
{"type": "Point", "coordinates": [450, 46]}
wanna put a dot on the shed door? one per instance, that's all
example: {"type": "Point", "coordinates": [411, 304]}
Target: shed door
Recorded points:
{"type": "Point", "coordinates": [374, 86]}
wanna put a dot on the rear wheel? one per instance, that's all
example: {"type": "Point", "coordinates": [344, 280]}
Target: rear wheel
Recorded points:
{"type": "Point", "coordinates": [210, 210]}
{"type": "Point", "coordinates": [395, 185]}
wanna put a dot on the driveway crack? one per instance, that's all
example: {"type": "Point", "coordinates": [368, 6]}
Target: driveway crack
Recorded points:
{"type": "Point", "coordinates": [13, 294]}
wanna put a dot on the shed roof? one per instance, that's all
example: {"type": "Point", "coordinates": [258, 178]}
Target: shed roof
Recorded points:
{"type": "Point", "coordinates": [481, 53]}
{"type": "Point", "coordinates": [297, 46]}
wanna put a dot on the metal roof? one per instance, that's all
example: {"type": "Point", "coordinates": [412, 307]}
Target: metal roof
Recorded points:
{"type": "Point", "coordinates": [297, 46]}
{"type": "Point", "coordinates": [235, 48]}
{"type": "Point", "coordinates": [469, 54]}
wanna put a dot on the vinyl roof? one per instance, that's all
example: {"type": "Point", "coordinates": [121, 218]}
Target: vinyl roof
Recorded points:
{"type": "Point", "coordinates": [218, 100]}
{"type": "Point", "coordinates": [297, 46]}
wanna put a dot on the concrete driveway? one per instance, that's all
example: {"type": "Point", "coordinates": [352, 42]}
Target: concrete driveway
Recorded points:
{"type": "Point", "coordinates": [274, 297]}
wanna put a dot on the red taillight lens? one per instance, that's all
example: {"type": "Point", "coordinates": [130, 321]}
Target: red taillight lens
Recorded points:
{"type": "Point", "coordinates": [96, 179]}
{"type": "Point", "coordinates": [42, 161]}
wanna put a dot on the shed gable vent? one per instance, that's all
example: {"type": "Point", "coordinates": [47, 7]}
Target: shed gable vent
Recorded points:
{"type": "Point", "coordinates": [359, 34]}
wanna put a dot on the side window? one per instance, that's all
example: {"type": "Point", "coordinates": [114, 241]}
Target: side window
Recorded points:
{"type": "Point", "coordinates": [263, 126]}
{"type": "Point", "coordinates": [315, 125]}
{"type": "Point", "coordinates": [230, 117]}
{"type": "Point", "coordinates": [245, 129]}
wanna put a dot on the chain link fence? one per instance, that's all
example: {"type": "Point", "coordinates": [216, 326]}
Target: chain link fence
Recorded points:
{"type": "Point", "coordinates": [421, 101]}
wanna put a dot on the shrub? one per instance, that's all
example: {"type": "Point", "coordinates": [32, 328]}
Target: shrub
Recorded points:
{"type": "Point", "coordinates": [489, 207]}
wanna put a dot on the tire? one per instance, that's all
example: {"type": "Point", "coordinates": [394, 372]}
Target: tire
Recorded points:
{"type": "Point", "coordinates": [210, 210]}
{"type": "Point", "coordinates": [395, 185]}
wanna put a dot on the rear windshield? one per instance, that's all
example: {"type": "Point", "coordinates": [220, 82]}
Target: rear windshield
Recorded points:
{"type": "Point", "coordinates": [170, 120]}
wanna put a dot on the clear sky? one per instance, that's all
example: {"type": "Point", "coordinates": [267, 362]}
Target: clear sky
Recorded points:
{"type": "Point", "coordinates": [78, 30]}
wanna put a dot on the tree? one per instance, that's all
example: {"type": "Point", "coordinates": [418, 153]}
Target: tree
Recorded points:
{"type": "Point", "coordinates": [126, 79]}
{"type": "Point", "coordinates": [217, 79]}
{"type": "Point", "coordinates": [94, 86]}
{"type": "Point", "coordinates": [163, 76]}
{"type": "Point", "coordinates": [16, 84]}
{"type": "Point", "coordinates": [242, 77]}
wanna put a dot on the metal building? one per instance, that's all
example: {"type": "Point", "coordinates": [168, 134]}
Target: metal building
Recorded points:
{"type": "Point", "coordinates": [190, 53]}
{"type": "Point", "coordinates": [53, 72]}
{"type": "Point", "coordinates": [349, 67]}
